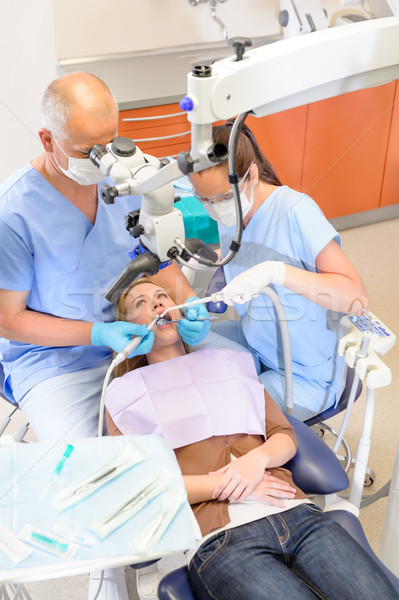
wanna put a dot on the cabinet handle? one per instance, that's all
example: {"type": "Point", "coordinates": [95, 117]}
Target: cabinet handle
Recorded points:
{"type": "Point", "coordinates": [179, 114]}
{"type": "Point", "coordinates": [163, 137]}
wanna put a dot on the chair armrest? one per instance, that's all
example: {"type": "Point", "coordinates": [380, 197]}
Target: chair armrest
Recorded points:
{"type": "Point", "coordinates": [353, 526]}
{"type": "Point", "coordinates": [315, 468]}
{"type": "Point", "coordinates": [175, 586]}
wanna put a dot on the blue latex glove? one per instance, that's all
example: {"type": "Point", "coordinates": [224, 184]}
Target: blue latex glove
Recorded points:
{"type": "Point", "coordinates": [118, 334]}
{"type": "Point", "coordinates": [192, 331]}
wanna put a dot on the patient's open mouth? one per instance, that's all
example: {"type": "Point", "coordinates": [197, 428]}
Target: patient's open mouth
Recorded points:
{"type": "Point", "coordinates": [165, 321]}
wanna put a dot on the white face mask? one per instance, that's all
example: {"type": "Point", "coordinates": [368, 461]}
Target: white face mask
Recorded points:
{"type": "Point", "coordinates": [225, 212]}
{"type": "Point", "coordinates": [81, 170]}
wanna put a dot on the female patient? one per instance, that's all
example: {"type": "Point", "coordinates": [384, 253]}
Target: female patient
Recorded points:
{"type": "Point", "coordinates": [262, 537]}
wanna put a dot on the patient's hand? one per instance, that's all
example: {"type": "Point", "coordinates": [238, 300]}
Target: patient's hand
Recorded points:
{"type": "Point", "coordinates": [240, 477]}
{"type": "Point", "coordinates": [270, 488]}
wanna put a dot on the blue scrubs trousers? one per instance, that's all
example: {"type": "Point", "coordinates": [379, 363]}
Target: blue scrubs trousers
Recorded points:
{"type": "Point", "coordinates": [66, 406]}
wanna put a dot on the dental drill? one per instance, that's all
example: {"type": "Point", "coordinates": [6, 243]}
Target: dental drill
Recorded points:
{"type": "Point", "coordinates": [120, 357]}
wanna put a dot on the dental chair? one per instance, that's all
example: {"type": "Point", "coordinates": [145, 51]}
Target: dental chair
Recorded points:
{"type": "Point", "coordinates": [362, 357]}
{"type": "Point", "coordinates": [317, 471]}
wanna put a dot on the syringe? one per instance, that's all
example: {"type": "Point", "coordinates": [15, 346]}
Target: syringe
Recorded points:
{"type": "Point", "coordinates": [57, 470]}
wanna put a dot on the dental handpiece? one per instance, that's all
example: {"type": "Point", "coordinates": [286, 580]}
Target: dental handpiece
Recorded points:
{"type": "Point", "coordinates": [123, 354]}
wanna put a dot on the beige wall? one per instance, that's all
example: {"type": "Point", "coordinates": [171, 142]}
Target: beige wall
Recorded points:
{"type": "Point", "coordinates": [28, 63]}
{"type": "Point", "coordinates": [100, 27]}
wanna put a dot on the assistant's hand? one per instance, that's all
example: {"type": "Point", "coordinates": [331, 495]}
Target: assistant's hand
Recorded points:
{"type": "Point", "coordinates": [270, 488]}
{"type": "Point", "coordinates": [190, 330]}
{"type": "Point", "coordinates": [241, 477]}
{"type": "Point", "coordinates": [118, 334]}
{"type": "Point", "coordinates": [249, 284]}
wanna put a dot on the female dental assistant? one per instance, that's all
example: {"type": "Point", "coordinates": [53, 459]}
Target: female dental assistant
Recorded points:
{"type": "Point", "coordinates": [287, 243]}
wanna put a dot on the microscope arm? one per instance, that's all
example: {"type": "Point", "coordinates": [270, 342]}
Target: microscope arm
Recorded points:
{"type": "Point", "coordinates": [284, 75]}
{"type": "Point", "coordinates": [266, 80]}
{"type": "Point", "coordinates": [291, 73]}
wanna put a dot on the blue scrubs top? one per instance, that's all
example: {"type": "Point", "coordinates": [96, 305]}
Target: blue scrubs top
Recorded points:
{"type": "Point", "coordinates": [289, 227]}
{"type": "Point", "coordinates": [48, 246]}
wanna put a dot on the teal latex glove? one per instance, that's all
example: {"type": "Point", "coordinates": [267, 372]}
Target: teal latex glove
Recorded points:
{"type": "Point", "coordinates": [192, 331]}
{"type": "Point", "coordinates": [117, 335]}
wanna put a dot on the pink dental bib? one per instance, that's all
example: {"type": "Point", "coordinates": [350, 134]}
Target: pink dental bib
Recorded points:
{"type": "Point", "coordinates": [206, 393]}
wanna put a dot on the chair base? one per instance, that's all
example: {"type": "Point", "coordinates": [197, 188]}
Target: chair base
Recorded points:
{"type": "Point", "coordinates": [348, 453]}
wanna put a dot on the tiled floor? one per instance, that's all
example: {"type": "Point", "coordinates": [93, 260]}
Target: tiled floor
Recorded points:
{"type": "Point", "coordinates": [374, 249]}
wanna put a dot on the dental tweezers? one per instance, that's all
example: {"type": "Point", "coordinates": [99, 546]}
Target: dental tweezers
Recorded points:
{"type": "Point", "coordinates": [146, 491]}
{"type": "Point", "coordinates": [161, 322]}
{"type": "Point", "coordinates": [80, 489]}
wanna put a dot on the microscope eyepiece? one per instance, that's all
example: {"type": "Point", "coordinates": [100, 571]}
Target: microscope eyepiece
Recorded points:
{"type": "Point", "coordinates": [96, 153]}
{"type": "Point", "coordinates": [217, 152]}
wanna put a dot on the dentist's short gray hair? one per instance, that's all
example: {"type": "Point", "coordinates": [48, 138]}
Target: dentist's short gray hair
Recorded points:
{"type": "Point", "coordinates": [66, 93]}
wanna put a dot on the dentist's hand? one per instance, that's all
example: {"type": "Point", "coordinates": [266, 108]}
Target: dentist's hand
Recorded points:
{"type": "Point", "coordinates": [118, 334]}
{"type": "Point", "coordinates": [190, 330]}
{"type": "Point", "coordinates": [249, 284]}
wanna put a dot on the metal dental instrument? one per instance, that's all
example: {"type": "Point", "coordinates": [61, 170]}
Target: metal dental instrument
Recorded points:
{"type": "Point", "coordinates": [152, 487]}
{"type": "Point", "coordinates": [217, 297]}
{"type": "Point", "coordinates": [151, 532]}
{"type": "Point", "coordinates": [80, 489]}
{"type": "Point", "coordinates": [161, 322]}
{"type": "Point", "coordinates": [129, 457]}
{"type": "Point", "coordinates": [145, 494]}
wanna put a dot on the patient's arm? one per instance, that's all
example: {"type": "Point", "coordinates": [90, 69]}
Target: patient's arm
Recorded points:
{"type": "Point", "coordinates": [246, 476]}
{"type": "Point", "coordinates": [241, 476]}
{"type": "Point", "coordinates": [111, 427]}
{"type": "Point", "coordinates": [200, 489]}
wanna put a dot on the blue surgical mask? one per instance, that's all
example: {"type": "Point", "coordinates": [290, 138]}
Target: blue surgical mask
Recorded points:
{"type": "Point", "coordinates": [81, 170]}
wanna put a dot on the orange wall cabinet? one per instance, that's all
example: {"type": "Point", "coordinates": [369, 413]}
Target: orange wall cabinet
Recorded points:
{"type": "Point", "coordinates": [345, 150]}
{"type": "Point", "coordinates": [281, 138]}
{"type": "Point", "coordinates": [390, 187]}
{"type": "Point", "coordinates": [157, 128]}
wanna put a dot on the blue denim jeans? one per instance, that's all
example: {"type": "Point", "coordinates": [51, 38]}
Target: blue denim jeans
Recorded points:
{"type": "Point", "coordinates": [300, 553]}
